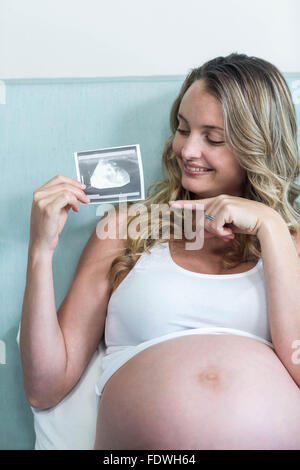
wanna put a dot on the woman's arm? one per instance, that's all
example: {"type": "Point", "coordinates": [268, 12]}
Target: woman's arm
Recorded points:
{"type": "Point", "coordinates": [42, 346]}
{"type": "Point", "coordinates": [282, 276]}
{"type": "Point", "coordinates": [56, 347]}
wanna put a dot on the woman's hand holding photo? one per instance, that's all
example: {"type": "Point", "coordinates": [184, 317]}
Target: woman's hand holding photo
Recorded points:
{"type": "Point", "coordinates": [50, 208]}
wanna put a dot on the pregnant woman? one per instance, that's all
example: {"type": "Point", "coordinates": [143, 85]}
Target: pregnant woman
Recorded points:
{"type": "Point", "coordinates": [201, 344]}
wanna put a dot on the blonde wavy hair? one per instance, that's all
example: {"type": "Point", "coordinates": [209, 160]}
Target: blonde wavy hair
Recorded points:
{"type": "Point", "coordinates": [261, 129]}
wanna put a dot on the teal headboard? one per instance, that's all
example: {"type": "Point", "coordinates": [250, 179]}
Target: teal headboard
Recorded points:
{"type": "Point", "coordinates": [42, 124]}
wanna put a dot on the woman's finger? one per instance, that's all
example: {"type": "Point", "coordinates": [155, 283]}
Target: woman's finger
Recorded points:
{"type": "Point", "coordinates": [59, 179]}
{"type": "Point", "coordinates": [53, 205]}
{"type": "Point", "coordinates": [58, 188]}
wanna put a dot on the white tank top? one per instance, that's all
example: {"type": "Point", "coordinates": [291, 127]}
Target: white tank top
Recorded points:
{"type": "Point", "coordinates": [159, 299]}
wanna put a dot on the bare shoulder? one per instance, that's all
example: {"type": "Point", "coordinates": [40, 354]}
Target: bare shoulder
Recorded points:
{"type": "Point", "coordinates": [105, 242]}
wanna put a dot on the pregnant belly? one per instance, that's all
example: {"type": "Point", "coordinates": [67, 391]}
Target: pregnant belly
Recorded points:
{"type": "Point", "coordinates": [201, 392]}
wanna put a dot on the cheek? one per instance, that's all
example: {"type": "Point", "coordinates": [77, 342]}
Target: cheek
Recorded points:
{"type": "Point", "coordinates": [240, 172]}
{"type": "Point", "coordinates": [176, 147]}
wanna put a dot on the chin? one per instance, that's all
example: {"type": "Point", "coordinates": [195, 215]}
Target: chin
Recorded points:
{"type": "Point", "coordinates": [197, 193]}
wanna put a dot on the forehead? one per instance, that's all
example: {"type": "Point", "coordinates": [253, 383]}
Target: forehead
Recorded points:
{"type": "Point", "coordinates": [198, 103]}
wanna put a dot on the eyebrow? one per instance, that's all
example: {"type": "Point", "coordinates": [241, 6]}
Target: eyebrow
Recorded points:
{"type": "Point", "coordinates": [206, 126]}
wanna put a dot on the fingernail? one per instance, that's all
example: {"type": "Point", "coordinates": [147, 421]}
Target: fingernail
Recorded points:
{"type": "Point", "coordinates": [176, 205]}
{"type": "Point", "coordinates": [83, 185]}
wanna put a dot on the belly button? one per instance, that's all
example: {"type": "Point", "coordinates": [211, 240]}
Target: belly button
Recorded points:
{"type": "Point", "coordinates": [210, 377]}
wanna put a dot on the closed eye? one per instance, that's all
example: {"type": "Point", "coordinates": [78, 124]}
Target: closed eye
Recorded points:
{"type": "Point", "coordinates": [213, 142]}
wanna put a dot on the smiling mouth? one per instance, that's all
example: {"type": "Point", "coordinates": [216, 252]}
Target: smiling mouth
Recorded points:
{"type": "Point", "coordinates": [191, 170]}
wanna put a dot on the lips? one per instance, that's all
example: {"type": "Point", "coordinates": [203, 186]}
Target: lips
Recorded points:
{"type": "Point", "coordinates": [192, 165]}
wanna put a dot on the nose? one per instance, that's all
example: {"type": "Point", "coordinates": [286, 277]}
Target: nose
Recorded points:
{"type": "Point", "coordinates": [192, 149]}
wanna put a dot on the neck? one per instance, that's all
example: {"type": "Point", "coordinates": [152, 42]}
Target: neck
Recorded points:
{"type": "Point", "coordinates": [212, 247]}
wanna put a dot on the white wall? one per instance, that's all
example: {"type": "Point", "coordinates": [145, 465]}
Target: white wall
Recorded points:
{"type": "Point", "coordinates": [93, 38]}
